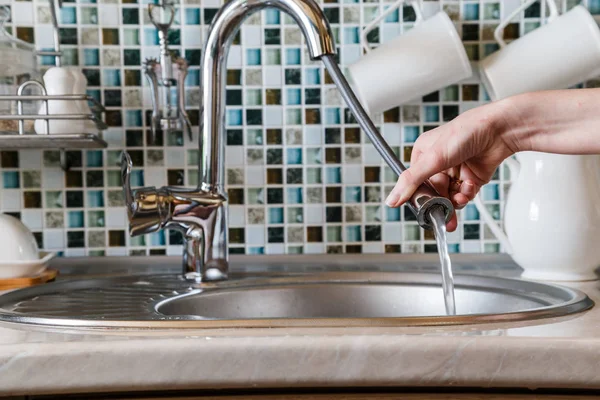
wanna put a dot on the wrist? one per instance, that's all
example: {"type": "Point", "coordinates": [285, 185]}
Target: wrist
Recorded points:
{"type": "Point", "coordinates": [513, 119]}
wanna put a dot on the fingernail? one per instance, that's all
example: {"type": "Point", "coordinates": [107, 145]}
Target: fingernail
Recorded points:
{"type": "Point", "coordinates": [469, 189]}
{"type": "Point", "coordinates": [392, 199]}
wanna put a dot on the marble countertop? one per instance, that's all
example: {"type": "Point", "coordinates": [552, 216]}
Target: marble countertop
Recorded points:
{"type": "Point", "coordinates": [557, 353]}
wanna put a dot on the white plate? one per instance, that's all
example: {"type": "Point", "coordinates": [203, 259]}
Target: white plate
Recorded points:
{"type": "Point", "coordinates": [19, 269]}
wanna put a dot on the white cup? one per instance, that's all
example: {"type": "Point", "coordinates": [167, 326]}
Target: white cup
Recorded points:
{"type": "Point", "coordinates": [427, 58]}
{"type": "Point", "coordinates": [560, 54]}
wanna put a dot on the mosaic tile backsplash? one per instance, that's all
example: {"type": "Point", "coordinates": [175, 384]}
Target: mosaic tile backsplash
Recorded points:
{"type": "Point", "coordinates": [302, 177]}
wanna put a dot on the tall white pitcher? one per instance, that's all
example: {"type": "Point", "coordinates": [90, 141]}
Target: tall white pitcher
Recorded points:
{"type": "Point", "coordinates": [552, 216]}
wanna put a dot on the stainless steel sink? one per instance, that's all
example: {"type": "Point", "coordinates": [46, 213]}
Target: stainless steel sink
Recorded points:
{"type": "Point", "coordinates": [339, 299]}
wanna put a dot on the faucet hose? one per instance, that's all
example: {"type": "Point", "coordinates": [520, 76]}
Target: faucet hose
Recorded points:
{"type": "Point", "coordinates": [426, 197]}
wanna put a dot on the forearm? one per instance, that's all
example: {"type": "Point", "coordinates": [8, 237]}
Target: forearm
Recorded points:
{"type": "Point", "coordinates": [561, 121]}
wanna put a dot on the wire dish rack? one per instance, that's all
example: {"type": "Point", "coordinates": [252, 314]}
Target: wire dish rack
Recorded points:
{"type": "Point", "coordinates": [23, 139]}
{"type": "Point", "coordinates": [16, 128]}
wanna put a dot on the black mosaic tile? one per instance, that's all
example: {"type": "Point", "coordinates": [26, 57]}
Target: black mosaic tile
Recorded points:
{"type": "Point", "coordinates": [234, 97]}
{"type": "Point", "coordinates": [9, 159]}
{"type": "Point", "coordinates": [116, 238]}
{"type": "Point", "coordinates": [293, 76]}
{"type": "Point", "coordinates": [132, 57]}
{"type": "Point", "coordinates": [373, 233]}
{"type": "Point", "coordinates": [253, 117]}
{"type": "Point", "coordinates": [274, 156]}
{"type": "Point", "coordinates": [294, 176]}
{"type": "Point", "coordinates": [274, 196]}
{"type": "Point", "coordinates": [272, 36]}
{"type": "Point", "coordinates": [235, 137]}
{"type": "Point", "coordinates": [74, 198]}
{"type": "Point", "coordinates": [332, 14]}
{"type": "Point", "coordinates": [76, 239]}
{"type": "Point", "coordinates": [275, 235]}
{"type": "Point", "coordinates": [333, 214]}
{"type": "Point", "coordinates": [95, 178]}
{"type": "Point", "coordinates": [175, 238]}
{"type": "Point", "coordinates": [449, 113]}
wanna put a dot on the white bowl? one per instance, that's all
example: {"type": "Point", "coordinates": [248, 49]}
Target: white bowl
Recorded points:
{"type": "Point", "coordinates": [17, 243]}
{"type": "Point", "coordinates": [25, 268]}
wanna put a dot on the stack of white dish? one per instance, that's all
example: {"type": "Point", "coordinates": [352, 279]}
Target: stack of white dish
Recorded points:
{"type": "Point", "coordinates": [19, 253]}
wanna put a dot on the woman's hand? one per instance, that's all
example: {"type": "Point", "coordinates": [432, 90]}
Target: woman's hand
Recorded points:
{"type": "Point", "coordinates": [458, 157]}
{"type": "Point", "coordinates": [462, 155]}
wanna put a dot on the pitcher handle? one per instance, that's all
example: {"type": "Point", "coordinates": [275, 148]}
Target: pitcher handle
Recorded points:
{"type": "Point", "coordinates": [416, 5]}
{"type": "Point", "coordinates": [514, 167]}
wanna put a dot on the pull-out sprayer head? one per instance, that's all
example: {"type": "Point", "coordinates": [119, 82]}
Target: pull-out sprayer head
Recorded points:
{"type": "Point", "coordinates": [425, 199]}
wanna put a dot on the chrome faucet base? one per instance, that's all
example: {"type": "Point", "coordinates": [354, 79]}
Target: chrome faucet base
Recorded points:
{"type": "Point", "coordinates": [200, 215]}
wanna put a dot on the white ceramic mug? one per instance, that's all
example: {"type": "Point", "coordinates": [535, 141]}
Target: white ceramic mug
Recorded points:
{"type": "Point", "coordinates": [61, 81]}
{"type": "Point", "coordinates": [427, 58]}
{"type": "Point", "coordinates": [560, 54]}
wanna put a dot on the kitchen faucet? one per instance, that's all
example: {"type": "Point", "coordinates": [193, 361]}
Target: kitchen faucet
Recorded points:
{"type": "Point", "coordinates": [201, 213]}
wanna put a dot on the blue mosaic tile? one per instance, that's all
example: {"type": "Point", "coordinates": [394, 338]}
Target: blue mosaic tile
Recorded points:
{"type": "Point", "coordinates": [453, 248]}
{"type": "Point", "coordinates": [332, 116]}
{"type": "Point", "coordinates": [91, 57]}
{"type": "Point", "coordinates": [68, 15]}
{"type": "Point", "coordinates": [353, 194]}
{"type": "Point", "coordinates": [294, 195]}
{"type": "Point", "coordinates": [470, 11]}
{"type": "Point", "coordinates": [490, 192]}
{"type": "Point", "coordinates": [294, 156]}
{"type": "Point", "coordinates": [137, 178]}
{"type": "Point", "coordinates": [234, 117]}
{"type": "Point", "coordinates": [353, 234]}
{"type": "Point", "coordinates": [313, 76]}
{"type": "Point", "coordinates": [393, 17]}
{"type": "Point", "coordinates": [293, 57]}
{"type": "Point", "coordinates": [94, 158]}
{"type": "Point", "coordinates": [10, 179]}
{"type": "Point", "coordinates": [470, 213]}
{"type": "Point", "coordinates": [432, 113]}
{"type": "Point", "coordinates": [192, 16]}
{"type": "Point", "coordinates": [334, 175]}
{"type": "Point", "coordinates": [111, 77]}
{"type": "Point", "coordinates": [411, 133]}
{"type": "Point", "coordinates": [351, 35]}
{"type": "Point", "coordinates": [272, 17]}
{"type": "Point", "coordinates": [392, 214]}
{"type": "Point", "coordinates": [150, 37]}
{"type": "Point", "coordinates": [133, 118]}
{"type": "Point", "coordinates": [276, 215]}
{"type": "Point", "coordinates": [75, 219]}
{"type": "Point", "coordinates": [294, 97]}
{"type": "Point", "coordinates": [253, 57]}
{"type": "Point", "coordinates": [256, 250]}
{"type": "Point", "coordinates": [157, 238]}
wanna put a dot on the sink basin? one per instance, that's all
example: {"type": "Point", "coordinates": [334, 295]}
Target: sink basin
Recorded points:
{"type": "Point", "coordinates": [325, 299]}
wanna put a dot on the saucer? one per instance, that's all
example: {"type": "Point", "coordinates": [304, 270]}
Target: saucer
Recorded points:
{"type": "Point", "coordinates": [27, 268]}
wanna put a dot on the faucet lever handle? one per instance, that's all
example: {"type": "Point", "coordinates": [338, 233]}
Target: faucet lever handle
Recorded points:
{"type": "Point", "coordinates": [143, 204]}
{"type": "Point", "coordinates": [126, 166]}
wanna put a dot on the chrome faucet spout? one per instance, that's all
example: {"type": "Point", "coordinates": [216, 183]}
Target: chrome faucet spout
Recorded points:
{"type": "Point", "coordinates": [319, 39]}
